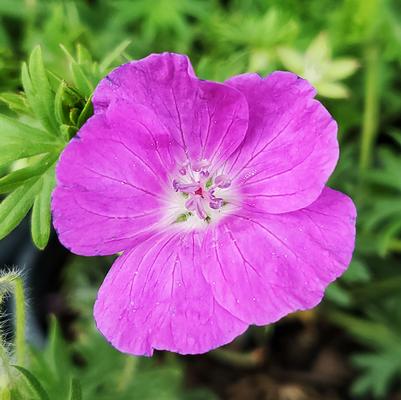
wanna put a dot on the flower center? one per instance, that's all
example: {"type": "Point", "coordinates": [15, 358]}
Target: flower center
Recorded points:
{"type": "Point", "coordinates": [199, 188]}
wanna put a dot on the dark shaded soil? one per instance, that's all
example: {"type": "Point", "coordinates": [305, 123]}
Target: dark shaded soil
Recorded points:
{"type": "Point", "coordinates": [303, 358]}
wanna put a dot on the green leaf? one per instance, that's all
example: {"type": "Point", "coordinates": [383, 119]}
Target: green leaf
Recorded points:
{"type": "Point", "coordinates": [33, 383]}
{"type": "Point", "coordinates": [81, 81]}
{"type": "Point", "coordinates": [390, 231]}
{"type": "Point", "coordinates": [57, 351]}
{"type": "Point", "coordinates": [292, 60]}
{"type": "Point", "coordinates": [16, 102]}
{"type": "Point", "coordinates": [18, 140]}
{"type": "Point", "coordinates": [341, 68]}
{"type": "Point", "coordinates": [86, 112]}
{"type": "Point", "coordinates": [396, 135]}
{"type": "Point", "coordinates": [75, 390]}
{"type": "Point", "coordinates": [338, 295]}
{"type": "Point", "coordinates": [27, 84]}
{"type": "Point", "coordinates": [5, 394]}
{"type": "Point", "coordinates": [83, 55]}
{"type": "Point", "coordinates": [16, 205]}
{"type": "Point", "coordinates": [356, 272]}
{"type": "Point", "coordinates": [40, 221]}
{"type": "Point", "coordinates": [333, 90]}
{"type": "Point", "coordinates": [113, 55]}
{"type": "Point", "coordinates": [68, 131]}
{"type": "Point", "coordinates": [16, 178]}
{"type": "Point", "coordinates": [52, 364]}
{"type": "Point", "coordinates": [319, 50]}
{"type": "Point", "coordinates": [41, 95]}
{"type": "Point", "coordinates": [74, 114]}
{"type": "Point", "coordinates": [374, 334]}
{"type": "Point", "coordinates": [59, 111]}
{"type": "Point", "coordinates": [378, 371]}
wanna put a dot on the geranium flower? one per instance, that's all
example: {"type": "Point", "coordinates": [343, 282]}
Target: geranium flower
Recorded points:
{"type": "Point", "coordinates": [215, 193]}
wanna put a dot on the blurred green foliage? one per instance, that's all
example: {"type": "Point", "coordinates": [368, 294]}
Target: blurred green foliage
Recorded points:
{"type": "Point", "coordinates": [349, 49]}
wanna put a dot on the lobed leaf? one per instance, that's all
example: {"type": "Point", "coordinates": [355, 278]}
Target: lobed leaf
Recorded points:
{"type": "Point", "coordinates": [81, 80]}
{"type": "Point", "coordinates": [18, 140]}
{"type": "Point", "coordinates": [333, 90]}
{"type": "Point", "coordinates": [341, 68]}
{"type": "Point", "coordinates": [42, 91]}
{"type": "Point", "coordinates": [16, 102]}
{"type": "Point", "coordinates": [37, 96]}
{"type": "Point", "coordinates": [41, 218]}
{"type": "Point", "coordinates": [16, 178]}
{"type": "Point", "coordinates": [16, 205]}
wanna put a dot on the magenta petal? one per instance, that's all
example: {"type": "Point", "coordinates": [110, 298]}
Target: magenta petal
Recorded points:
{"type": "Point", "coordinates": [216, 195]}
{"type": "Point", "coordinates": [264, 266]}
{"type": "Point", "coordinates": [111, 181]}
{"type": "Point", "coordinates": [291, 146]}
{"type": "Point", "coordinates": [155, 297]}
{"type": "Point", "coordinates": [207, 119]}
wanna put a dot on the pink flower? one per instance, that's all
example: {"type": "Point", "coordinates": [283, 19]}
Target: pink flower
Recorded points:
{"type": "Point", "coordinates": [216, 195]}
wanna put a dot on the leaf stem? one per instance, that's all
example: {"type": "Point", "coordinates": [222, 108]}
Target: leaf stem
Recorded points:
{"type": "Point", "coordinates": [127, 373]}
{"type": "Point", "coordinates": [371, 107]}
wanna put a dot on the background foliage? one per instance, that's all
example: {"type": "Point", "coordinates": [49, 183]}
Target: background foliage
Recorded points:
{"type": "Point", "coordinates": [349, 49]}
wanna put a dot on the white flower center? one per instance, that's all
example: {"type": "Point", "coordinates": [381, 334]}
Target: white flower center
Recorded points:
{"type": "Point", "coordinates": [203, 194]}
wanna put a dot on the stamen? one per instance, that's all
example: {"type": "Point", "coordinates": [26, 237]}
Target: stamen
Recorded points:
{"type": "Point", "coordinates": [204, 174]}
{"type": "Point", "coordinates": [222, 181]}
{"type": "Point", "coordinates": [196, 204]}
{"type": "Point", "coordinates": [190, 204]}
{"type": "Point", "coordinates": [185, 187]}
{"type": "Point", "coordinates": [199, 190]}
{"type": "Point", "coordinates": [216, 203]}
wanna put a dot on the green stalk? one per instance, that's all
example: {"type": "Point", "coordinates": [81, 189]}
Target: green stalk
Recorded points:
{"type": "Point", "coordinates": [4, 360]}
{"type": "Point", "coordinates": [395, 246]}
{"type": "Point", "coordinates": [19, 298]}
{"type": "Point", "coordinates": [127, 373]}
{"type": "Point", "coordinates": [12, 282]}
{"type": "Point", "coordinates": [371, 107]}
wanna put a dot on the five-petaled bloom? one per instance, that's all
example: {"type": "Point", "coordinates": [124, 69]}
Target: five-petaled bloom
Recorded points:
{"type": "Point", "coordinates": [215, 193]}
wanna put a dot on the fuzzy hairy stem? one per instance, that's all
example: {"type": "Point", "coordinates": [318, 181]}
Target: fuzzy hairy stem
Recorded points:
{"type": "Point", "coordinates": [12, 283]}
{"type": "Point", "coordinates": [19, 298]}
{"type": "Point", "coordinates": [4, 360]}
